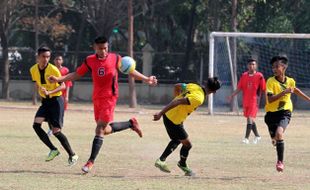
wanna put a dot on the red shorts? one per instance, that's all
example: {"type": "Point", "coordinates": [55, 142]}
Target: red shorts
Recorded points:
{"type": "Point", "coordinates": [250, 111]}
{"type": "Point", "coordinates": [104, 109]}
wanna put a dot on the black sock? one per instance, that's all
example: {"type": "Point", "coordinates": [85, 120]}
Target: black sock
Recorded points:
{"type": "Point", "coordinates": [248, 130]}
{"type": "Point", "coordinates": [280, 149]}
{"type": "Point", "coordinates": [183, 155]}
{"type": "Point", "coordinates": [43, 136]}
{"type": "Point", "coordinates": [119, 126]}
{"type": "Point", "coordinates": [64, 142]}
{"type": "Point", "coordinates": [254, 129]}
{"type": "Point", "coordinates": [97, 143]}
{"type": "Point", "coordinates": [173, 144]}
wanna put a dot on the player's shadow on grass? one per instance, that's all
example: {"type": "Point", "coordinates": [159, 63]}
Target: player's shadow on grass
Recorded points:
{"type": "Point", "coordinates": [34, 172]}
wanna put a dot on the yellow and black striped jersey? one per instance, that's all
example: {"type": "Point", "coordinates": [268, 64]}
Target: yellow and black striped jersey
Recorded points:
{"type": "Point", "coordinates": [274, 87]}
{"type": "Point", "coordinates": [195, 95]}
{"type": "Point", "coordinates": [41, 78]}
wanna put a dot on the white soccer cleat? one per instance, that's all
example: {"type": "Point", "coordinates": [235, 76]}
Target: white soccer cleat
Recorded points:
{"type": "Point", "coordinates": [245, 141]}
{"type": "Point", "coordinates": [256, 139]}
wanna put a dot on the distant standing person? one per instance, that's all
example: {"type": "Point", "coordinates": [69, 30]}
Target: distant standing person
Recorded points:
{"type": "Point", "coordinates": [58, 61]}
{"type": "Point", "coordinates": [103, 66]}
{"type": "Point", "coordinates": [252, 84]}
{"type": "Point", "coordinates": [279, 105]}
{"type": "Point", "coordinates": [52, 107]}
{"type": "Point", "coordinates": [188, 97]}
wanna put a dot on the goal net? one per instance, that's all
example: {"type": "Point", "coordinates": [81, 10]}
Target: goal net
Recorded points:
{"type": "Point", "coordinates": [228, 55]}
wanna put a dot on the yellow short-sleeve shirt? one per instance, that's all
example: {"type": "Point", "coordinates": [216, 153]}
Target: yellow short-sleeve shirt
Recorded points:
{"type": "Point", "coordinates": [274, 87]}
{"type": "Point", "coordinates": [195, 95]}
{"type": "Point", "coordinates": [41, 78]}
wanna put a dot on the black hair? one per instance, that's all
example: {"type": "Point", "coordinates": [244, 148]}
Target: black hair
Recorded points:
{"type": "Point", "coordinates": [251, 60]}
{"type": "Point", "coordinates": [213, 84]}
{"type": "Point", "coordinates": [280, 58]}
{"type": "Point", "coordinates": [43, 49]}
{"type": "Point", "coordinates": [100, 40]}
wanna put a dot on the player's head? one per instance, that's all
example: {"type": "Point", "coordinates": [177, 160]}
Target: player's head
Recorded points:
{"type": "Point", "coordinates": [44, 55]}
{"type": "Point", "coordinates": [58, 60]}
{"type": "Point", "coordinates": [213, 84]}
{"type": "Point", "coordinates": [101, 46]}
{"type": "Point", "coordinates": [279, 65]}
{"type": "Point", "coordinates": [252, 65]}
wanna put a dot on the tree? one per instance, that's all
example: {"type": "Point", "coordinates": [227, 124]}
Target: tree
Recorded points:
{"type": "Point", "coordinates": [9, 14]}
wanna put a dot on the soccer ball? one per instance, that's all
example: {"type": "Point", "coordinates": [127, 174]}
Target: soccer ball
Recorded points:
{"type": "Point", "coordinates": [127, 65]}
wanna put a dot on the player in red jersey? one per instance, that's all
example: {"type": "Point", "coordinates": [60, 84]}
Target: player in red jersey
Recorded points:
{"type": "Point", "coordinates": [104, 71]}
{"type": "Point", "coordinates": [252, 84]}
{"type": "Point", "coordinates": [58, 61]}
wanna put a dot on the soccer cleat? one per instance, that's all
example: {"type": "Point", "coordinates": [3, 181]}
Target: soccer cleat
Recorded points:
{"type": "Point", "coordinates": [186, 170]}
{"type": "Point", "coordinates": [88, 166]}
{"type": "Point", "coordinates": [256, 139]}
{"type": "Point", "coordinates": [135, 126]}
{"type": "Point", "coordinates": [52, 155]}
{"type": "Point", "coordinates": [73, 160]}
{"type": "Point", "coordinates": [280, 166]}
{"type": "Point", "coordinates": [245, 141]}
{"type": "Point", "coordinates": [162, 165]}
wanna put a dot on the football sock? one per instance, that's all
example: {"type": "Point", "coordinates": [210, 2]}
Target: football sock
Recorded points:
{"type": "Point", "coordinates": [280, 149]}
{"type": "Point", "coordinates": [254, 129]}
{"type": "Point", "coordinates": [97, 143]}
{"type": "Point", "coordinates": [183, 155]}
{"type": "Point", "coordinates": [119, 126]}
{"type": "Point", "coordinates": [248, 130]}
{"type": "Point", "coordinates": [173, 144]}
{"type": "Point", "coordinates": [43, 136]}
{"type": "Point", "coordinates": [64, 142]}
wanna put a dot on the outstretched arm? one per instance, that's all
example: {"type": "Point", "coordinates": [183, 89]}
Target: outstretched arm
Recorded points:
{"type": "Point", "coordinates": [233, 94]}
{"type": "Point", "coordinates": [71, 76]}
{"type": "Point", "coordinates": [171, 105]}
{"type": "Point", "coordinates": [151, 80]}
{"type": "Point", "coordinates": [299, 93]}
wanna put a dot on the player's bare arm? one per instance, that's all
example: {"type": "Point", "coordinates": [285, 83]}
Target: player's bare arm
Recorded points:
{"type": "Point", "coordinates": [299, 93]}
{"type": "Point", "coordinates": [151, 80]}
{"type": "Point", "coordinates": [171, 105]}
{"type": "Point", "coordinates": [177, 89]}
{"type": "Point", "coordinates": [272, 98]}
{"type": "Point", "coordinates": [48, 92]}
{"type": "Point", "coordinates": [69, 77]}
{"type": "Point", "coordinates": [229, 98]}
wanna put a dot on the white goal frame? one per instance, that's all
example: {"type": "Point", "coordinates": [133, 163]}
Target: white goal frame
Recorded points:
{"type": "Point", "coordinates": [240, 34]}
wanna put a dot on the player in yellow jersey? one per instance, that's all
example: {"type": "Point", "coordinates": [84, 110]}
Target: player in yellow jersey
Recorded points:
{"type": "Point", "coordinates": [52, 107]}
{"type": "Point", "coordinates": [188, 97]}
{"type": "Point", "coordinates": [279, 105]}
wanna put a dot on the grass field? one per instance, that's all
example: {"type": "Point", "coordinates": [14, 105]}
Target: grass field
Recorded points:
{"type": "Point", "coordinates": [218, 157]}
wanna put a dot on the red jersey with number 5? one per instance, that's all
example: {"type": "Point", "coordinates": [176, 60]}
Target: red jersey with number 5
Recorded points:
{"type": "Point", "coordinates": [104, 74]}
{"type": "Point", "coordinates": [252, 87]}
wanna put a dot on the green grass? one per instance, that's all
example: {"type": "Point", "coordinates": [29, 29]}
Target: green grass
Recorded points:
{"type": "Point", "coordinates": [218, 157]}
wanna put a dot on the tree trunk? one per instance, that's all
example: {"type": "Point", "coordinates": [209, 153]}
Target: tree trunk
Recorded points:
{"type": "Point", "coordinates": [6, 73]}
{"type": "Point", "coordinates": [131, 80]}
{"type": "Point", "coordinates": [189, 43]}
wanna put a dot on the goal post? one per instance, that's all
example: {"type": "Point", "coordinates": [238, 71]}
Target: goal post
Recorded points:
{"type": "Point", "coordinates": [229, 51]}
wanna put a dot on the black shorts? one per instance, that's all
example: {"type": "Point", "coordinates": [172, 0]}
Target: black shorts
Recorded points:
{"type": "Point", "coordinates": [175, 132]}
{"type": "Point", "coordinates": [277, 119]}
{"type": "Point", "coordinates": [52, 109]}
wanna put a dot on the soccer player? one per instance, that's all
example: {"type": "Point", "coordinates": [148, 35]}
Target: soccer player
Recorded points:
{"type": "Point", "coordinates": [252, 84]}
{"type": "Point", "coordinates": [279, 105]}
{"type": "Point", "coordinates": [52, 107]}
{"type": "Point", "coordinates": [188, 98]}
{"type": "Point", "coordinates": [58, 61]}
{"type": "Point", "coordinates": [103, 66]}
